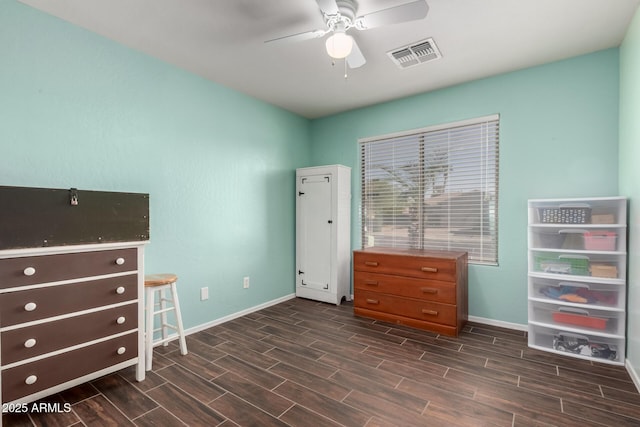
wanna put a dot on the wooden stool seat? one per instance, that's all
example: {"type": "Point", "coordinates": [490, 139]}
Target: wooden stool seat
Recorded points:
{"type": "Point", "coordinates": [160, 279]}
{"type": "Point", "coordinates": [164, 285]}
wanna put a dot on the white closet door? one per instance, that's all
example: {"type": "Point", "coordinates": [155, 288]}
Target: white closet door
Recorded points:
{"type": "Point", "coordinates": [315, 231]}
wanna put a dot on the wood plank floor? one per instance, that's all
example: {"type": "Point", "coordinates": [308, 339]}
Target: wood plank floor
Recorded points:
{"type": "Point", "coordinates": [305, 363]}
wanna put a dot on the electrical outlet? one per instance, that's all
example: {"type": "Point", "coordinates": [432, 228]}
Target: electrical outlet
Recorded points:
{"type": "Point", "coordinates": [245, 282]}
{"type": "Point", "coordinates": [204, 293]}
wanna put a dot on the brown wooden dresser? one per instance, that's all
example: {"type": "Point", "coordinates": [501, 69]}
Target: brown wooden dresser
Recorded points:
{"type": "Point", "coordinates": [419, 288]}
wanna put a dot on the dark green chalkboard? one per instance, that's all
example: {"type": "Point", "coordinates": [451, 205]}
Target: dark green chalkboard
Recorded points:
{"type": "Point", "coordinates": [41, 217]}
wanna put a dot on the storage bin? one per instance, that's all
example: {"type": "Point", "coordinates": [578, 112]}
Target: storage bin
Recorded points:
{"type": "Point", "coordinates": [577, 293]}
{"type": "Point", "coordinates": [600, 240]}
{"type": "Point", "coordinates": [579, 317]}
{"type": "Point", "coordinates": [567, 239]}
{"type": "Point", "coordinates": [603, 219]}
{"type": "Point", "coordinates": [604, 270]}
{"type": "Point", "coordinates": [561, 264]}
{"type": "Point", "coordinates": [548, 239]}
{"type": "Point", "coordinates": [584, 346]}
{"type": "Point", "coordinates": [565, 215]}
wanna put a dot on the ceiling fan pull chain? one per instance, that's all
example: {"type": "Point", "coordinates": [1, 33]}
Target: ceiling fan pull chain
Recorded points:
{"type": "Point", "coordinates": [345, 69]}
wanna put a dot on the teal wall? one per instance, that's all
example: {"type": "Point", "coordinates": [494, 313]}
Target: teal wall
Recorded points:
{"type": "Point", "coordinates": [630, 178]}
{"type": "Point", "coordinates": [81, 111]}
{"type": "Point", "coordinates": [77, 110]}
{"type": "Point", "coordinates": [558, 138]}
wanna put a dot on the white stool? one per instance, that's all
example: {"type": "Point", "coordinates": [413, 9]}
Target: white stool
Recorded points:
{"type": "Point", "coordinates": [161, 283]}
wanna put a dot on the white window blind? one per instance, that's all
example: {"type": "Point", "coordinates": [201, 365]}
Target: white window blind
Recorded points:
{"type": "Point", "coordinates": [433, 188]}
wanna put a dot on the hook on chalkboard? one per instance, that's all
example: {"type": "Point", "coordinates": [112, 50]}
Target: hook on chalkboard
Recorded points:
{"type": "Point", "coordinates": [73, 196]}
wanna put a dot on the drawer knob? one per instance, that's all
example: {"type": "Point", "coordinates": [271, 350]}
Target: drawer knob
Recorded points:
{"type": "Point", "coordinates": [121, 320]}
{"type": "Point", "coordinates": [31, 379]}
{"type": "Point", "coordinates": [30, 306]}
{"type": "Point", "coordinates": [371, 263]}
{"type": "Point", "coordinates": [120, 290]}
{"type": "Point", "coordinates": [371, 282]}
{"type": "Point", "coordinates": [120, 261]}
{"type": "Point", "coordinates": [429, 291]}
{"type": "Point", "coordinates": [372, 301]}
{"type": "Point", "coordinates": [121, 350]}
{"type": "Point", "coordinates": [429, 312]}
{"type": "Point", "coordinates": [429, 269]}
{"type": "Point", "coordinates": [30, 342]}
{"type": "Point", "coordinates": [29, 271]}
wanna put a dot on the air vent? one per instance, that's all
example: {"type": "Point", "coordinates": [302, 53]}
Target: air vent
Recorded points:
{"type": "Point", "coordinates": [415, 54]}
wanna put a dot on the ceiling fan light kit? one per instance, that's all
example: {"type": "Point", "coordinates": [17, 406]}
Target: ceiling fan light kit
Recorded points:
{"type": "Point", "coordinates": [339, 45]}
{"type": "Point", "coordinates": [340, 16]}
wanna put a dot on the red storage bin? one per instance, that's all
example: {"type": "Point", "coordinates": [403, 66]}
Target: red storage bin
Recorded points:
{"type": "Point", "coordinates": [600, 240]}
{"type": "Point", "coordinates": [579, 319]}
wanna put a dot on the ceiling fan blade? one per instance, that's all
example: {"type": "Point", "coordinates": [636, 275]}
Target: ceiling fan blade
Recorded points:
{"type": "Point", "coordinates": [405, 12]}
{"type": "Point", "coordinates": [307, 35]}
{"type": "Point", "coordinates": [329, 7]}
{"type": "Point", "coordinates": [356, 58]}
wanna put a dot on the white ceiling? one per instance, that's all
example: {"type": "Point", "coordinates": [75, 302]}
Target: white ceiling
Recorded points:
{"type": "Point", "coordinates": [223, 41]}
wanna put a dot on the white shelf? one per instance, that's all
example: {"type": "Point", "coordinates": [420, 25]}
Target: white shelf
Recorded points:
{"type": "Point", "coordinates": [561, 225]}
{"type": "Point", "coordinates": [577, 356]}
{"type": "Point", "coordinates": [578, 305]}
{"type": "Point", "coordinates": [570, 277]}
{"type": "Point", "coordinates": [577, 330]}
{"type": "Point", "coordinates": [577, 277]}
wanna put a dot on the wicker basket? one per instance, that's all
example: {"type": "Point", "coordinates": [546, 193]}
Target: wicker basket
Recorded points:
{"type": "Point", "coordinates": [565, 215]}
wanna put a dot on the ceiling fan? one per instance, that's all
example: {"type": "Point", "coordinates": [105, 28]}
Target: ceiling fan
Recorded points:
{"type": "Point", "coordinates": [341, 15]}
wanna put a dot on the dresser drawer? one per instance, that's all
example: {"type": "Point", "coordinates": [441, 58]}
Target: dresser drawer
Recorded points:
{"type": "Point", "coordinates": [55, 370]}
{"type": "Point", "coordinates": [430, 290]}
{"type": "Point", "coordinates": [24, 343]}
{"type": "Point", "coordinates": [407, 307]}
{"type": "Point", "coordinates": [413, 266]}
{"type": "Point", "coordinates": [24, 271]}
{"type": "Point", "coordinates": [57, 300]}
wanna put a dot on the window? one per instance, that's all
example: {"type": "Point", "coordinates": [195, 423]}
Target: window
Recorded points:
{"type": "Point", "coordinates": [433, 188]}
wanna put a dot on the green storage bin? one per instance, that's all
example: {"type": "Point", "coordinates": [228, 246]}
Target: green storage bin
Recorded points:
{"type": "Point", "coordinates": [576, 265]}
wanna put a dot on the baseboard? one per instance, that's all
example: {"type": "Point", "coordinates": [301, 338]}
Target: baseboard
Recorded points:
{"type": "Point", "coordinates": [633, 374]}
{"type": "Point", "coordinates": [237, 314]}
{"type": "Point", "coordinates": [499, 323]}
